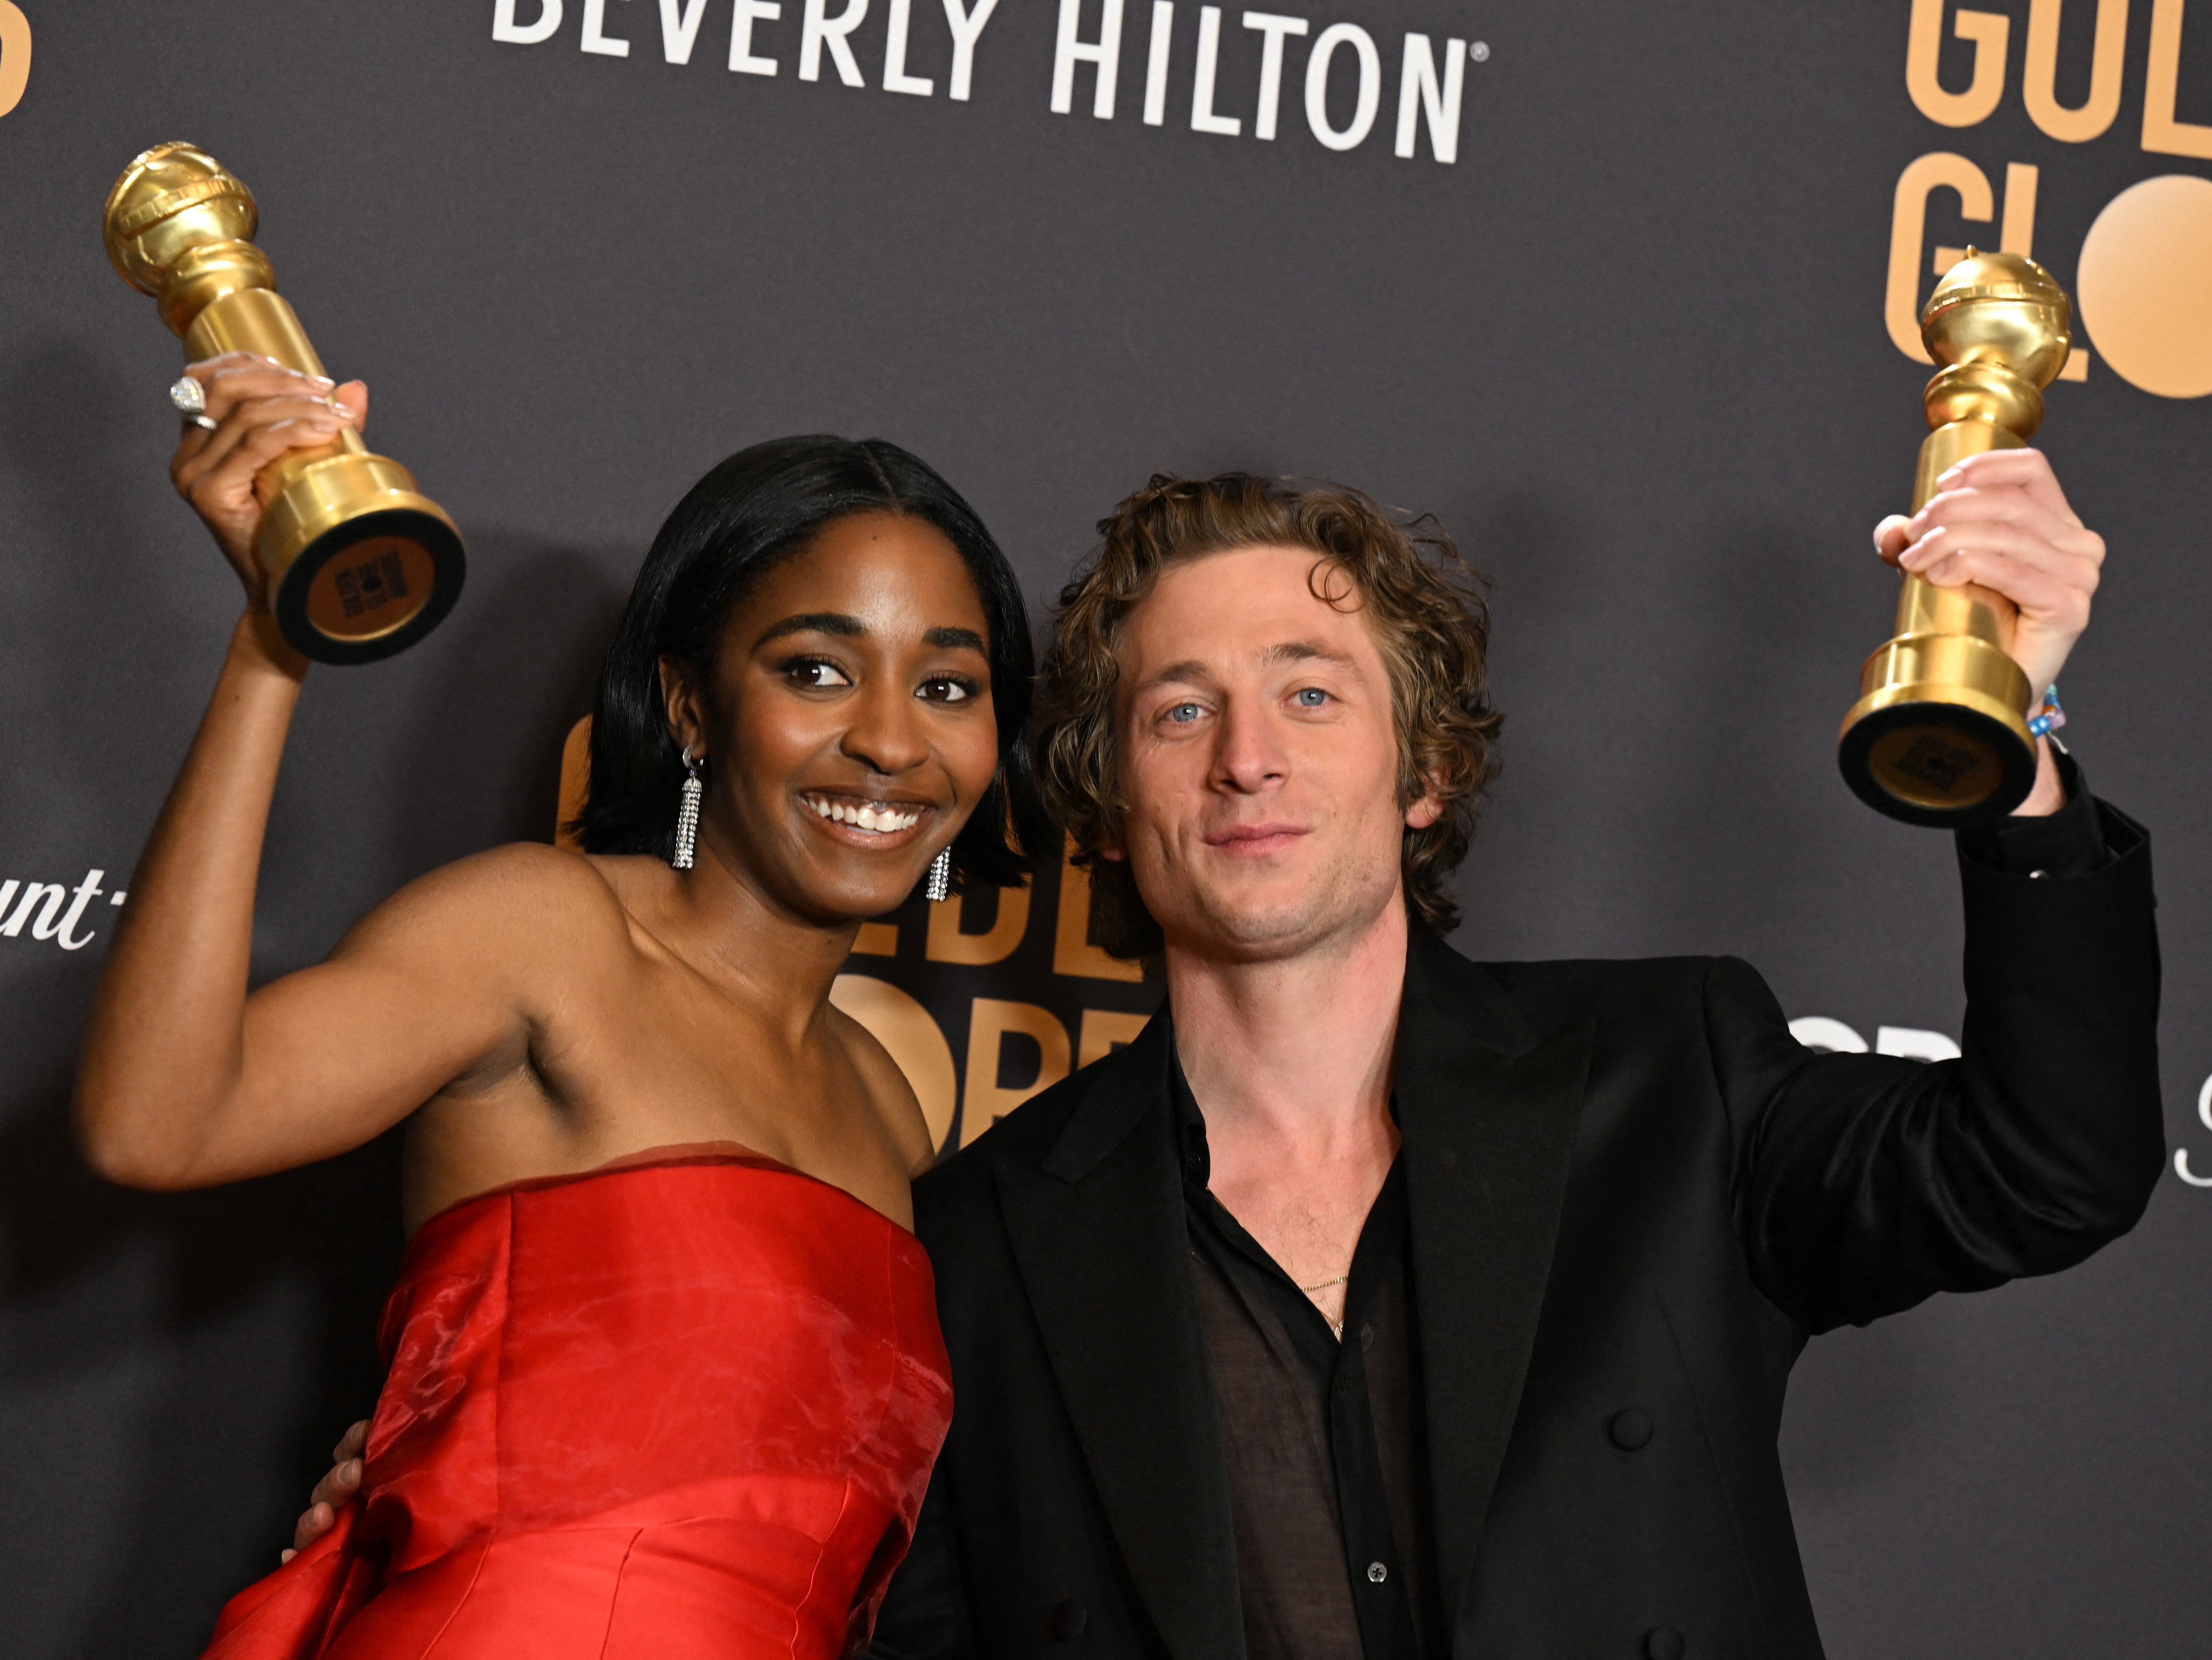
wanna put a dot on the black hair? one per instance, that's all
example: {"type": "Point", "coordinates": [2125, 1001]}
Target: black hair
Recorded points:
{"type": "Point", "coordinates": [752, 512]}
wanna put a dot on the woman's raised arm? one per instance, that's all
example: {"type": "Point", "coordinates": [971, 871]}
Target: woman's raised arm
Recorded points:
{"type": "Point", "coordinates": [185, 1080]}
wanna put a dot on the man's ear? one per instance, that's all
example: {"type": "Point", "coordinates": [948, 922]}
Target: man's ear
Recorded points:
{"type": "Point", "coordinates": [1425, 810]}
{"type": "Point", "coordinates": [686, 719]}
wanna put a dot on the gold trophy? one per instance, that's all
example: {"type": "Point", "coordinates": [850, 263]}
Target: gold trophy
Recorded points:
{"type": "Point", "coordinates": [1939, 735]}
{"type": "Point", "coordinates": [360, 564]}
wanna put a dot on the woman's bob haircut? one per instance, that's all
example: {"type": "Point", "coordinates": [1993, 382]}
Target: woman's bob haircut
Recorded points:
{"type": "Point", "coordinates": [758, 508]}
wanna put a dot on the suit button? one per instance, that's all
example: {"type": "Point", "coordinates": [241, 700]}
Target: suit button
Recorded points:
{"type": "Point", "coordinates": [1068, 1621]}
{"type": "Point", "coordinates": [1631, 1433]}
{"type": "Point", "coordinates": [1664, 1642]}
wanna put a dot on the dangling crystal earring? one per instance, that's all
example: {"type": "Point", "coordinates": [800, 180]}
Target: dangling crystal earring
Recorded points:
{"type": "Point", "coordinates": [940, 879]}
{"type": "Point", "coordinates": [687, 815]}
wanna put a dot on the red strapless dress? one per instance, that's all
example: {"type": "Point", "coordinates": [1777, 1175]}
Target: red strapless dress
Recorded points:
{"type": "Point", "coordinates": [682, 1409]}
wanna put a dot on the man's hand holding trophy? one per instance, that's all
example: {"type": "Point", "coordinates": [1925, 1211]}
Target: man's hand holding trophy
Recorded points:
{"type": "Point", "coordinates": [1943, 733]}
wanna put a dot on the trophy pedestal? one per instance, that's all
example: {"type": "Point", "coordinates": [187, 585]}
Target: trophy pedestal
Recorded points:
{"type": "Point", "coordinates": [1939, 736]}
{"type": "Point", "coordinates": [1939, 739]}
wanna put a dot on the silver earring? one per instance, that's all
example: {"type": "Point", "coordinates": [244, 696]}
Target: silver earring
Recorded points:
{"type": "Point", "coordinates": [687, 815]}
{"type": "Point", "coordinates": [941, 878]}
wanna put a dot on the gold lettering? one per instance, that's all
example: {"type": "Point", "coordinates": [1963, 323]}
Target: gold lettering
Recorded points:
{"type": "Point", "coordinates": [1924, 45]}
{"type": "Point", "coordinates": [15, 55]}
{"type": "Point", "coordinates": [576, 785]}
{"type": "Point", "coordinates": [1102, 1030]}
{"type": "Point", "coordinates": [1071, 950]}
{"type": "Point", "coordinates": [877, 939]}
{"type": "Point", "coordinates": [1908, 232]}
{"type": "Point", "coordinates": [984, 1102]}
{"type": "Point", "coordinates": [2017, 233]}
{"type": "Point", "coordinates": [948, 943]}
{"type": "Point", "coordinates": [2162, 85]}
{"type": "Point", "coordinates": [904, 1027]}
{"type": "Point", "coordinates": [2038, 86]}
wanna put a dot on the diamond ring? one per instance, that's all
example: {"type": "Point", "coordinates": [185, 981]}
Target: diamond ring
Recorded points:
{"type": "Point", "coordinates": [189, 396]}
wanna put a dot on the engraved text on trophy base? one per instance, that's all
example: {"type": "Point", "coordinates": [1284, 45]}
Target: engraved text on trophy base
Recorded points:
{"type": "Point", "coordinates": [371, 588]}
{"type": "Point", "coordinates": [1935, 766]}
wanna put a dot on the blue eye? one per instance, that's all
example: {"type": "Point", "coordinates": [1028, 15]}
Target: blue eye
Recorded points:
{"type": "Point", "coordinates": [1312, 697]}
{"type": "Point", "coordinates": [1183, 713]}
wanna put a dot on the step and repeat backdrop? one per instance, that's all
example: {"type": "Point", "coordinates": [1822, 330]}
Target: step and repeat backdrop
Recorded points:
{"type": "Point", "coordinates": [1624, 294]}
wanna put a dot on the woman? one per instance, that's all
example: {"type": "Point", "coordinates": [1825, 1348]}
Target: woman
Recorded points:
{"type": "Point", "coordinates": [666, 1374]}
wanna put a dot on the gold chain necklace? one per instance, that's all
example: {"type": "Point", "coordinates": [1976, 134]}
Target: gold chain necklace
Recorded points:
{"type": "Point", "coordinates": [1335, 1327]}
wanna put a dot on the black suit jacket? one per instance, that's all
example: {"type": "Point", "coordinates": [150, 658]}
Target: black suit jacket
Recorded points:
{"type": "Point", "coordinates": [1630, 1190]}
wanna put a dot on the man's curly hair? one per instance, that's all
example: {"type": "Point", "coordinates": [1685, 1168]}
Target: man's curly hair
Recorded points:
{"type": "Point", "coordinates": [1426, 609]}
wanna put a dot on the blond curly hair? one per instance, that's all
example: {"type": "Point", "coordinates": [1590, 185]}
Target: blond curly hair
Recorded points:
{"type": "Point", "coordinates": [1430, 620]}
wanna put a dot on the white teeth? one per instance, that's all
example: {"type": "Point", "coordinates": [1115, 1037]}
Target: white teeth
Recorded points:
{"type": "Point", "coordinates": [880, 817]}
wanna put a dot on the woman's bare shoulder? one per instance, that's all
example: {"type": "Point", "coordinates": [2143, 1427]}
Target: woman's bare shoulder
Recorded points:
{"type": "Point", "coordinates": [523, 896]}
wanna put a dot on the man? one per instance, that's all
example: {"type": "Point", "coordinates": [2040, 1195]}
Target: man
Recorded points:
{"type": "Point", "coordinates": [1377, 1303]}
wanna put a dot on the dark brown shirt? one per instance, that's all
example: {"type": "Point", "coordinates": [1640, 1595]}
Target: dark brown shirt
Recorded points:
{"type": "Point", "coordinates": [1326, 1479]}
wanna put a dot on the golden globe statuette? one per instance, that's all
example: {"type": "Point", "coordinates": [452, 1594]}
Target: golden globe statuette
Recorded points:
{"type": "Point", "coordinates": [361, 563]}
{"type": "Point", "coordinates": [1939, 735]}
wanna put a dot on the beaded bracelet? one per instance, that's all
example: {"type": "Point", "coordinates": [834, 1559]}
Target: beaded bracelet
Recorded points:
{"type": "Point", "coordinates": [2051, 716]}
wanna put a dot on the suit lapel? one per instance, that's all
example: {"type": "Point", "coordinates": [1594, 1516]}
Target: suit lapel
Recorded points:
{"type": "Point", "coordinates": [1099, 1233]}
{"type": "Point", "coordinates": [1489, 1112]}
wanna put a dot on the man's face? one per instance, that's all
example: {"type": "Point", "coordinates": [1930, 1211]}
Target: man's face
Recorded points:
{"type": "Point", "coordinates": [1259, 760]}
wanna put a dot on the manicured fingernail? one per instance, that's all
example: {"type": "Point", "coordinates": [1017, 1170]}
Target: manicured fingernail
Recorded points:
{"type": "Point", "coordinates": [284, 1556]}
{"type": "Point", "coordinates": [321, 380]}
{"type": "Point", "coordinates": [349, 1471]}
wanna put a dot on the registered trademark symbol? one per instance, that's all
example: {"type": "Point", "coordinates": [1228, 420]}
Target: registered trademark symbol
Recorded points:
{"type": "Point", "coordinates": [1479, 50]}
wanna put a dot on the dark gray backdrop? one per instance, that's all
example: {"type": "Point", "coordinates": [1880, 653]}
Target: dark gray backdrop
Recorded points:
{"type": "Point", "coordinates": [1630, 346]}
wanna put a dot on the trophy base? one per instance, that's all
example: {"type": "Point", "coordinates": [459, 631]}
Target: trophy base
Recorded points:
{"type": "Point", "coordinates": [1949, 760]}
{"type": "Point", "coordinates": [363, 565]}
{"type": "Point", "coordinates": [1938, 736]}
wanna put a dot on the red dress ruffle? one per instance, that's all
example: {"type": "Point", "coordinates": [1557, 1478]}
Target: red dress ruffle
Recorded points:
{"type": "Point", "coordinates": [682, 1409]}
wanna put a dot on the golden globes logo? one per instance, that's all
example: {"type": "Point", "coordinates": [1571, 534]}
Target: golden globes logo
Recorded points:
{"type": "Point", "coordinates": [1056, 963]}
{"type": "Point", "coordinates": [2142, 286]}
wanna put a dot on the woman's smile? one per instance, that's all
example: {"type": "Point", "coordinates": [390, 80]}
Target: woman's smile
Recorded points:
{"type": "Point", "coordinates": [870, 822]}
